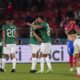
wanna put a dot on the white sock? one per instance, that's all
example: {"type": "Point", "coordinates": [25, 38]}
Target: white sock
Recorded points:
{"type": "Point", "coordinates": [14, 63]}
{"type": "Point", "coordinates": [0, 62]}
{"type": "Point", "coordinates": [3, 63]}
{"type": "Point", "coordinates": [34, 61]}
{"type": "Point", "coordinates": [48, 63]}
{"type": "Point", "coordinates": [42, 64]}
{"type": "Point", "coordinates": [78, 70]}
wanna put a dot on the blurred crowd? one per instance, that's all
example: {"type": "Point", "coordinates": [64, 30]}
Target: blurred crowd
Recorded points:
{"type": "Point", "coordinates": [57, 12]}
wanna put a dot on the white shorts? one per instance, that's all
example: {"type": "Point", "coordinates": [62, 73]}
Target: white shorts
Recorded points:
{"type": "Point", "coordinates": [45, 48]}
{"type": "Point", "coordinates": [34, 48]}
{"type": "Point", "coordinates": [9, 49]}
{"type": "Point", "coordinates": [77, 46]}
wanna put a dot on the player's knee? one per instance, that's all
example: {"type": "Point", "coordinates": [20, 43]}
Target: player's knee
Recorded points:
{"type": "Point", "coordinates": [34, 55]}
{"type": "Point", "coordinates": [6, 56]}
{"type": "Point", "coordinates": [12, 56]}
{"type": "Point", "coordinates": [37, 55]}
{"type": "Point", "coordinates": [44, 55]}
{"type": "Point", "coordinates": [77, 56]}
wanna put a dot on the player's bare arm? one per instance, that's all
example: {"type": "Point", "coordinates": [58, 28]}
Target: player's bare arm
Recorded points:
{"type": "Point", "coordinates": [34, 26]}
{"type": "Point", "coordinates": [37, 37]}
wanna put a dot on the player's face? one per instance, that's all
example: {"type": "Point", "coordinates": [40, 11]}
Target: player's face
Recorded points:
{"type": "Point", "coordinates": [12, 21]}
{"type": "Point", "coordinates": [39, 19]}
{"type": "Point", "coordinates": [36, 20]}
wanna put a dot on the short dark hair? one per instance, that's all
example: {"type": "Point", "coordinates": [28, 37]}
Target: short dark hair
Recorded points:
{"type": "Point", "coordinates": [72, 31]}
{"type": "Point", "coordinates": [9, 17]}
{"type": "Point", "coordinates": [41, 16]}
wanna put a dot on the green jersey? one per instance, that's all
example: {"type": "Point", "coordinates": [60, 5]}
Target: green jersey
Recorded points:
{"type": "Point", "coordinates": [10, 33]}
{"type": "Point", "coordinates": [1, 47]}
{"type": "Point", "coordinates": [1, 32]}
{"type": "Point", "coordinates": [45, 32]}
{"type": "Point", "coordinates": [33, 40]}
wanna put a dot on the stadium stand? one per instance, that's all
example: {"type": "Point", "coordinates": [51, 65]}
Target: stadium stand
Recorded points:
{"type": "Point", "coordinates": [57, 13]}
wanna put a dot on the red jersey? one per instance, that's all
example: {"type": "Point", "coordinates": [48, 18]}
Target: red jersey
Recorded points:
{"type": "Point", "coordinates": [71, 27]}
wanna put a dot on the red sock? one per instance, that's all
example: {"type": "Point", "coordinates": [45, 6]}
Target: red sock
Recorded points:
{"type": "Point", "coordinates": [74, 60]}
{"type": "Point", "coordinates": [71, 61]}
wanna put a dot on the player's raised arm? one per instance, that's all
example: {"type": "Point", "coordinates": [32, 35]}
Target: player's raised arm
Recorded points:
{"type": "Point", "coordinates": [34, 26]}
{"type": "Point", "coordinates": [66, 31]}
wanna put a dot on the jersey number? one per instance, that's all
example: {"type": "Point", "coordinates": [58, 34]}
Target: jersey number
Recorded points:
{"type": "Point", "coordinates": [11, 32]}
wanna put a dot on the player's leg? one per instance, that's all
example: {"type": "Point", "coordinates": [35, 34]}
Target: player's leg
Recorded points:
{"type": "Point", "coordinates": [0, 58]}
{"type": "Point", "coordinates": [71, 62]}
{"type": "Point", "coordinates": [77, 55]}
{"type": "Point", "coordinates": [42, 48]}
{"type": "Point", "coordinates": [44, 56]}
{"type": "Point", "coordinates": [78, 63]}
{"type": "Point", "coordinates": [13, 57]}
{"type": "Point", "coordinates": [5, 56]}
{"type": "Point", "coordinates": [47, 52]}
{"type": "Point", "coordinates": [34, 61]}
{"type": "Point", "coordinates": [70, 52]}
{"type": "Point", "coordinates": [34, 49]}
{"type": "Point", "coordinates": [74, 63]}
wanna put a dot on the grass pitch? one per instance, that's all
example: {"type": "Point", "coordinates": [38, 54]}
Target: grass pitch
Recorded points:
{"type": "Point", "coordinates": [60, 72]}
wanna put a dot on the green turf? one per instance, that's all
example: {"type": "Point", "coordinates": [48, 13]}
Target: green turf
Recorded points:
{"type": "Point", "coordinates": [60, 72]}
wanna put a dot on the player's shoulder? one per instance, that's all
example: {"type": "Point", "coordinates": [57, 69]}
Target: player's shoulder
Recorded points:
{"type": "Point", "coordinates": [46, 24]}
{"type": "Point", "coordinates": [4, 26]}
{"type": "Point", "coordinates": [14, 26]}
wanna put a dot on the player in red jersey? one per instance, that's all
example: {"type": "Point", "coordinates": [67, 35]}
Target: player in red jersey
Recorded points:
{"type": "Point", "coordinates": [71, 26]}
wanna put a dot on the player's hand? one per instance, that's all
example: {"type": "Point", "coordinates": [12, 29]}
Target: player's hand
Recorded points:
{"type": "Point", "coordinates": [29, 24]}
{"type": "Point", "coordinates": [41, 41]}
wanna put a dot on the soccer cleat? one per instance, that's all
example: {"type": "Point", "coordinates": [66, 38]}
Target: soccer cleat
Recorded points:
{"type": "Point", "coordinates": [33, 71]}
{"type": "Point", "coordinates": [78, 75]}
{"type": "Point", "coordinates": [2, 70]}
{"type": "Point", "coordinates": [74, 70]}
{"type": "Point", "coordinates": [71, 69]}
{"type": "Point", "coordinates": [49, 71]}
{"type": "Point", "coordinates": [39, 72]}
{"type": "Point", "coordinates": [13, 70]}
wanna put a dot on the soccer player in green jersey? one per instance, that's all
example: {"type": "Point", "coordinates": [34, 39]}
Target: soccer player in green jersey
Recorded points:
{"type": "Point", "coordinates": [1, 43]}
{"type": "Point", "coordinates": [44, 31]}
{"type": "Point", "coordinates": [1, 55]}
{"type": "Point", "coordinates": [9, 42]}
{"type": "Point", "coordinates": [34, 44]}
